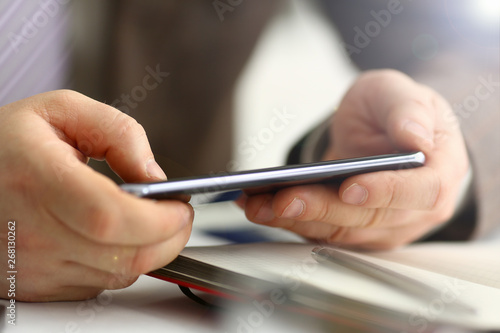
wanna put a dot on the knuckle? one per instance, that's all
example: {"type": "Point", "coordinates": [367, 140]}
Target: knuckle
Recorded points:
{"type": "Point", "coordinates": [141, 262]}
{"type": "Point", "coordinates": [55, 105]}
{"type": "Point", "coordinates": [441, 105]}
{"type": "Point", "coordinates": [186, 233]}
{"type": "Point", "coordinates": [389, 187]}
{"type": "Point", "coordinates": [64, 95]}
{"type": "Point", "coordinates": [62, 99]}
{"type": "Point", "coordinates": [380, 80]}
{"type": "Point", "coordinates": [119, 281]}
{"type": "Point", "coordinates": [323, 214]}
{"type": "Point", "coordinates": [444, 214]}
{"type": "Point", "coordinates": [438, 191]}
{"type": "Point", "coordinates": [144, 259]}
{"type": "Point", "coordinates": [392, 187]}
{"type": "Point", "coordinates": [442, 136]}
{"type": "Point", "coordinates": [337, 235]}
{"type": "Point", "coordinates": [382, 76]}
{"type": "Point", "coordinates": [101, 223]}
{"type": "Point", "coordinates": [372, 218]}
{"type": "Point", "coordinates": [126, 125]}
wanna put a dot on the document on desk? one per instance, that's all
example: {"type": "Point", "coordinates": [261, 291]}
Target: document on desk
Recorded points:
{"type": "Point", "coordinates": [454, 284]}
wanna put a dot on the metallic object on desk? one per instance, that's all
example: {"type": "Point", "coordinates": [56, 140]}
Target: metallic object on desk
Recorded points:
{"type": "Point", "coordinates": [384, 275]}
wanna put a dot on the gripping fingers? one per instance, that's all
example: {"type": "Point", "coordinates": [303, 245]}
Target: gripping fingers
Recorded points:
{"type": "Point", "coordinates": [125, 262]}
{"type": "Point", "coordinates": [74, 282]}
{"type": "Point", "coordinates": [417, 189]}
{"type": "Point", "coordinates": [96, 208]}
{"type": "Point", "coordinates": [319, 203]}
{"type": "Point", "coordinates": [386, 238]}
{"type": "Point", "coordinates": [322, 203]}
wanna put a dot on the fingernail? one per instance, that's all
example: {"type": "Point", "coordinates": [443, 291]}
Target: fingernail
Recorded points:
{"type": "Point", "coordinates": [265, 213]}
{"type": "Point", "coordinates": [355, 195]}
{"type": "Point", "coordinates": [419, 131]}
{"type": "Point", "coordinates": [154, 171]}
{"type": "Point", "coordinates": [294, 209]}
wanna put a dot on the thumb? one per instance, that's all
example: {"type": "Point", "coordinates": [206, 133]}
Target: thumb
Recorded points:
{"type": "Point", "coordinates": [410, 126]}
{"type": "Point", "coordinates": [404, 109]}
{"type": "Point", "coordinates": [101, 132]}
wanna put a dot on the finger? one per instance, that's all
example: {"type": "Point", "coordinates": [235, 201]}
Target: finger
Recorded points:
{"type": "Point", "coordinates": [58, 294]}
{"type": "Point", "coordinates": [96, 208]}
{"type": "Point", "coordinates": [406, 109]}
{"type": "Point", "coordinates": [70, 293]}
{"type": "Point", "coordinates": [372, 238]}
{"type": "Point", "coordinates": [241, 200]}
{"type": "Point", "coordinates": [80, 276]}
{"type": "Point", "coordinates": [383, 238]}
{"type": "Point", "coordinates": [410, 126]}
{"type": "Point", "coordinates": [382, 229]}
{"type": "Point", "coordinates": [124, 261]}
{"type": "Point", "coordinates": [100, 131]}
{"type": "Point", "coordinates": [74, 282]}
{"type": "Point", "coordinates": [400, 107]}
{"type": "Point", "coordinates": [259, 208]}
{"type": "Point", "coordinates": [416, 189]}
{"type": "Point", "coordinates": [319, 203]}
{"type": "Point", "coordinates": [399, 228]}
{"type": "Point", "coordinates": [435, 186]}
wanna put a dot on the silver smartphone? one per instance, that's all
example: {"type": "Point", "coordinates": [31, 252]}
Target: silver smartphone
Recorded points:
{"type": "Point", "coordinates": [272, 179]}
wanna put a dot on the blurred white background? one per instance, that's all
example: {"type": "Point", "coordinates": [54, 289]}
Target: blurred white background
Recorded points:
{"type": "Point", "coordinates": [297, 44]}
